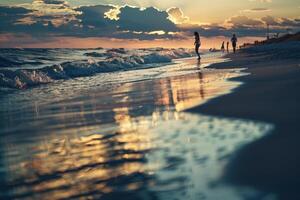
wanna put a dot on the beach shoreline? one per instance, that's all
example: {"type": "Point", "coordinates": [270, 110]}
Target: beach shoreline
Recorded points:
{"type": "Point", "coordinates": [269, 94]}
{"type": "Point", "coordinates": [132, 128]}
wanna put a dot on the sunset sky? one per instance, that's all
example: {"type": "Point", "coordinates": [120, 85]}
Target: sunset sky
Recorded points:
{"type": "Point", "coordinates": [143, 23]}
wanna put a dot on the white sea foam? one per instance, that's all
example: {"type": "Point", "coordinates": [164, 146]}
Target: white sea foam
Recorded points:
{"type": "Point", "coordinates": [111, 60]}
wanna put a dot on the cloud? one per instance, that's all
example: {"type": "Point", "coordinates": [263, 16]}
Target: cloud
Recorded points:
{"type": "Point", "coordinates": [10, 15]}
{"type": "Point", "coordinates": [275, 23]}
{"type": "Point", "coordinates": [176, 15]}
{"type": "Point", "coordinates": [37, 19]}
{"type": "Point", "coordinates": [290, 22]}
{"type": "Point", "coordinates": [244, 21]}
{"type": "Point", "coordinates": [55, 12]}
{"type": "Point", "coordinates": [270, 21]}
{"type": "Point", "coordinates": [50, 7]}
{"type": "Point", "coordinates": [257, 10]}
{"type": "Point", "coordinates": [10, 10]}
{"type": "Point", "coordinates": [147, 19]}
{"type": "Point", "coordinates": [94, 16]}
{"type": "Point", "coordinates": [281, 22]}
{"type": "Point", "coordinates": [124, 22]}
{"type": "Point", "coordinates": [56, 18]}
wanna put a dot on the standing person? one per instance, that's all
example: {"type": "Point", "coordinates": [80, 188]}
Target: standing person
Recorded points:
{"type": "Point", "coordinates": [197, 44]}
{"type": "Point", "coordinates": [223, 46]}
{"type": "Point", "coordinates": [227, 47]}
{"type": "Point", "coordinates": [234, 41]}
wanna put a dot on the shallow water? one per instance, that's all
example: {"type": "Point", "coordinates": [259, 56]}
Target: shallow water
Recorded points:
{"type": "Point", "coordinates": [122, 135]}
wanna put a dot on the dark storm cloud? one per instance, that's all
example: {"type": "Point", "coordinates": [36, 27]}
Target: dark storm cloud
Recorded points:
{"type": "Point", "coordinates": [10, 11]}
{"type": "Point", "coordinates": [92, 22]}
{"type": "Point", "coordinates": [149, 19]}
{"type": "Point", "coordinates": [131, 22]}
{"type": "Point", "coordinates": [94, 16]}
{"type": "Point", "coordinates": [10, 15]}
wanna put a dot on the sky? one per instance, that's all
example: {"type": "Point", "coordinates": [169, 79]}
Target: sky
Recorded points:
{"type": "Point", "coordinates": [141, 23]}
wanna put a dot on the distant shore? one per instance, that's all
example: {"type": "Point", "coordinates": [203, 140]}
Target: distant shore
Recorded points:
{"type": "Point", "coordinates": [270, 94]}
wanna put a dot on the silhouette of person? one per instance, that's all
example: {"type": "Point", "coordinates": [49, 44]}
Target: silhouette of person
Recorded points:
{"type": "Point", "coordinates": [223, 46]}
{"type": "Point", "coordinates": [197, 44]}
{"type": "Point", "coordinates": [227, 47]}
{"type": "Point", "coordinates": [233, 42]}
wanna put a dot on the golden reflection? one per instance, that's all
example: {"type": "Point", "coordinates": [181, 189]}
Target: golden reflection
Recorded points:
{"type": "Point", "coordinates": [79, 163]}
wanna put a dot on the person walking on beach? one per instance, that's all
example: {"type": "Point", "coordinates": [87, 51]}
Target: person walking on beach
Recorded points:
{"type": "Point", "coordinates": [223, 46]}
{"type": "Point", "coordinates": [227, 47]}
{"type": "Point", "coordinates": [234, 41]}
{"type": "Point", "coordinates": [197, 44]}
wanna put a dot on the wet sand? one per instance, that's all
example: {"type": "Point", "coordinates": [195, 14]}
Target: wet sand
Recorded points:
{"type": "Point", "coordinates": [270, 94]}
{"type": "Point", "coordinates": [122, 135]}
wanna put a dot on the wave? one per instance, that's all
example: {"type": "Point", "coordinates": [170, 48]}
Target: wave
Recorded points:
{"type": "Point", "coordinates": [6, 62]}
{"type": "Point", "coordinates": [24, 78]}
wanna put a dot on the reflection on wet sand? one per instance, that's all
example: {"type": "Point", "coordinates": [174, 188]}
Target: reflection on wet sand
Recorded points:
{"type": "Point", "coordinates": [117, 142]}
{"type": "Point", "coordinates": [145, 159]}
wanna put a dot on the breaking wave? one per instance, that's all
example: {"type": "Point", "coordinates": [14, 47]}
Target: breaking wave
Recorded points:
{"type": "Point", "coordinates": [112, 60]}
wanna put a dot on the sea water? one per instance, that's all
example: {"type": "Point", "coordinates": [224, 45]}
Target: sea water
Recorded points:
{"type": "Point", "coordinates": [122, 134]}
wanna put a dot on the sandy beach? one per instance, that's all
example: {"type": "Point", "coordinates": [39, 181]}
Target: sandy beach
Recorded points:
{"type": "Point", "coordinates": [270, 94]}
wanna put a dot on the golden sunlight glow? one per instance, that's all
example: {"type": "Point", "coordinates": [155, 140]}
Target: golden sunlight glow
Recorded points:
{"type": "Point", "coordinates": [157, 32]}
{"type": "Point", "coordinates": [113, 13]}
{"type": "Point", "coordinates": [176, 15]}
